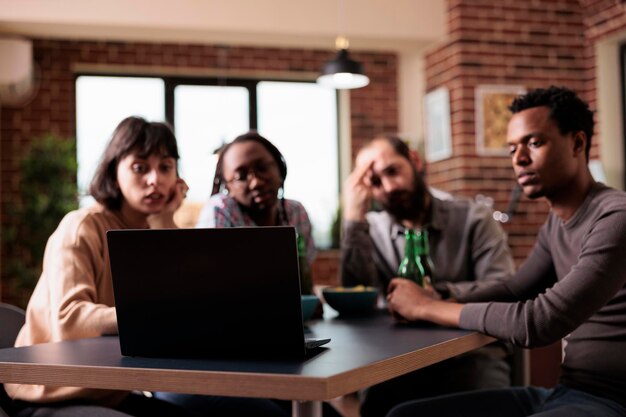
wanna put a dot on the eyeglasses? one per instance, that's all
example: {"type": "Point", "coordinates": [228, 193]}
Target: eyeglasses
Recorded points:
{"type": "Point", "coordinates": [260, 170]}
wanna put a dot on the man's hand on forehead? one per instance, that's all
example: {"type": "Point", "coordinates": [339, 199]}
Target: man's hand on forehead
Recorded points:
{"type": "Point", "coordinates": [366, 157]}
{"type": "Point", "coordinates": [362, 170]}
{"type": "Point", "coordinates": [371, 177]}
{"type": "Point", "coordinates": [358, 191]}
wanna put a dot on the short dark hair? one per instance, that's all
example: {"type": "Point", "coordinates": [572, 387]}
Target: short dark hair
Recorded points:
{"type": "Point", "coordinates": [251, 136]}
{"type": "Point", "coordinates": [132, 134]}
{"type": "Point", "coordinates": [570, 113]}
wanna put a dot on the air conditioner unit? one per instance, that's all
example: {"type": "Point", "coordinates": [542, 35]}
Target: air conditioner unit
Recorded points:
{"type": "Point", "coordinates": [16, 71]}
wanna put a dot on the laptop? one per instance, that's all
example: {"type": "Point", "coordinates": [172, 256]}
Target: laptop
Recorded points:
{"type": "Point", "coordinates": [232, 292]}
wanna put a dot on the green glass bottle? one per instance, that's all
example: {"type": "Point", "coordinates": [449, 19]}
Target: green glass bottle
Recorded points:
{"type": "Point", "coordinates": [410, 266]}
{"type": "Point", "coordinates": [306, 279]}
{"type": "Point", "coordinates": [423, 252]}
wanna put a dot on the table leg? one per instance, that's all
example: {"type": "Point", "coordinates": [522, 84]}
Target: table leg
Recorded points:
{"type": "Point", "coordinates": [306, 408]}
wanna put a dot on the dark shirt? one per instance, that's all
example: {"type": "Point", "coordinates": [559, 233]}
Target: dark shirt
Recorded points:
{"type": "Point", "coordinates": [467, 246]}
{"type": "Point", "coordinates": [572, 286]}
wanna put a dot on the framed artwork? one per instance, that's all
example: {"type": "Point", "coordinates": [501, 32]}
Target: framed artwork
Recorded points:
{"type": "Point", "coordinates": [492, 117]}
{"type": "Point", "coordinates": [437, 120]}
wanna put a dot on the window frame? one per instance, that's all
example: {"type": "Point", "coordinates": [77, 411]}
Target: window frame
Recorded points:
{"type": "Point", "coordinates": [250, 83]}
{"type": "Point", "coordinates": [172, 82]}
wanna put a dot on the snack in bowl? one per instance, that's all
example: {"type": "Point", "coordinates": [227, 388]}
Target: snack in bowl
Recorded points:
{"type": "Point", "coordinates": [309, 304]}
{"type": "Point", "coordinates": [359, 300]}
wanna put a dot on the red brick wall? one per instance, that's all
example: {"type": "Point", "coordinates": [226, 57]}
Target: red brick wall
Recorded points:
{"type": "Point", "coordinates": [506, 42]}
{"type": "Point", "coordinates": [527, 43]}
{"type": "Point", "coordinates": [52, 109]}
{"type": "Point", "coordinates": [325, 268]}
{"type": "Point", "coordinates": [602, 18]}
{"type": "Point", "coordinates": [509, 42]}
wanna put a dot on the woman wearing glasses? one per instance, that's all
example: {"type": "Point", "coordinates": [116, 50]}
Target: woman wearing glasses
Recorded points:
{"type": "Point", "coordinates": [248, 190]}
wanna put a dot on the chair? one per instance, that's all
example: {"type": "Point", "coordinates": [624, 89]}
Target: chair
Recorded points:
{"type": "Point", "coordinates": [12, 319]}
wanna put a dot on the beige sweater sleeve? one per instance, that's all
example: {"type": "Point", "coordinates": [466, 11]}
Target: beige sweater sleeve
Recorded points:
{"type": "Point", "coordinates": [81, 302]}
{"type": "Point", "coordinates": [73, 298]}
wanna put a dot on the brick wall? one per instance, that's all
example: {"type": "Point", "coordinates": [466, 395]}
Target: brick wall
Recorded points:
{"type": "Point", "coordinates": [325, 268]}
{"type": "Point", "coordinates": [508, 42]}
{"type": "Point", "coordinates": [602, 19]}
{"type": "Point", "coordinates": [527, 43]}
{"type": "Point", "coordinates": [52, 109]}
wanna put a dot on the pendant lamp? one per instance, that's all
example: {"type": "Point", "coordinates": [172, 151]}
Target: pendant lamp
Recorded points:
{"type": "Point", "coordinates": [342, 72]}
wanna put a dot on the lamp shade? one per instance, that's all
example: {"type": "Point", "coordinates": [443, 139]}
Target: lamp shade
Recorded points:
{"type": "Point", "coordinates": [343, 73]}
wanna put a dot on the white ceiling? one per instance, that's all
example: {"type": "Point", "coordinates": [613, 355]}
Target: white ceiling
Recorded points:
{"type": "Point", "coordinates": [408, 27]}
{"type": "Point", "coordinates": [370, 24]}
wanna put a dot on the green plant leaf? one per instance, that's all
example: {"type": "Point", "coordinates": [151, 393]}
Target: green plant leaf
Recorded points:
{"type": "Point", "coordinates": [47, 191]}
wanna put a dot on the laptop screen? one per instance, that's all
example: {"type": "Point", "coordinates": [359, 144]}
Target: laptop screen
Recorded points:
{"type": "Point", "coordinates": [207, 292]}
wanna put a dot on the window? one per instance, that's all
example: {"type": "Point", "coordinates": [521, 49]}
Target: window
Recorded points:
{"type": "Point", "coordinates": [300, 118]}
{"type": "Point", "coordinates": [101, 103]}
{"type": "Point", "coordinates": [206, 117]}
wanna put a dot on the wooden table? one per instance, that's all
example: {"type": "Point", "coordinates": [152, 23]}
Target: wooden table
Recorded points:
{"type": "Point", "coordinates": [363, 352]}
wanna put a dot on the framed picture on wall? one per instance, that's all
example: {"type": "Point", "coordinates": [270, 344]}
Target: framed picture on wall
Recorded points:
{"type": "Point", "coordinates": [492, 117]}
{"type": "Point", "coordinates": [437, 120]}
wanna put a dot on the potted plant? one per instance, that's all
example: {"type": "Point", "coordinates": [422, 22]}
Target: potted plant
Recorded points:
{"type": "Point", "coordinates": [47, 191]}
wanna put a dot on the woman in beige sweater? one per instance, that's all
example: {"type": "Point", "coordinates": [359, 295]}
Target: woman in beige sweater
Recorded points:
{"type": "Point", "coordinates": [136, 186]}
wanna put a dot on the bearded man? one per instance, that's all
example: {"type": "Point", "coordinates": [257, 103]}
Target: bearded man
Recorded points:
{"type": "Point", "coordinates": [467, 246]}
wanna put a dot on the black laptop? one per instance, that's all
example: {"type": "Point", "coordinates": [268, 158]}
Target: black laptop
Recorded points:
{"type": "Point", "coordinates": [231, 292]}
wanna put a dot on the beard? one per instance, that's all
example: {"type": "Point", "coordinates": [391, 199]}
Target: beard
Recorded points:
{"type": "Point", "coordinates": [407, 204]}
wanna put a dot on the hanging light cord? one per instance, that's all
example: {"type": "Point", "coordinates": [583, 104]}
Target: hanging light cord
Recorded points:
{"type": "Point", "coordinates": [341, 42]}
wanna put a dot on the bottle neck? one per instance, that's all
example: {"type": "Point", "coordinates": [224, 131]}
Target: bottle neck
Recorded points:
{"type": "Point", "coordinates": [301, 245]}
{"type": "Point", "coordinates": [410, 267]}
{"type": "Point", "coordinates": [409, 243]}
{"type": "Point", "coordinates": [422, 243]}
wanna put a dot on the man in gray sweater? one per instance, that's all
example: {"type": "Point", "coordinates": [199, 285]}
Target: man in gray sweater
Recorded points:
{"type": "Point", "coordinates": [467, 246]}
{"type": "Point", "coordinates": [571, 287]}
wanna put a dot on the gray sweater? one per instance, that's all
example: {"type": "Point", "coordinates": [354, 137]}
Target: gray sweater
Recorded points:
{"type": "Point", "coordinates": [572, 286]}
{"type": "Point", "coordinates": [467, 246]}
